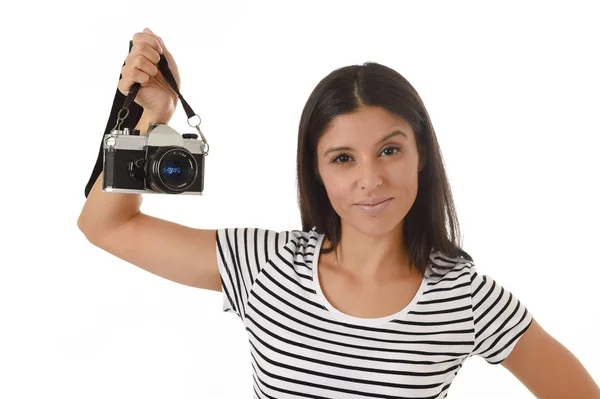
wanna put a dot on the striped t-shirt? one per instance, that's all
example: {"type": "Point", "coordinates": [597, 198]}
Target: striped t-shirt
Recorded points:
{"type": "Point", "coordinates": [301, 346]}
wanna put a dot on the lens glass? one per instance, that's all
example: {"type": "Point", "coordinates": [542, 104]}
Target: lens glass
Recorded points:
{"type": "Point", "coordinates": [176, 169]}
{"type": "Point", "coordinates": [172, 171]}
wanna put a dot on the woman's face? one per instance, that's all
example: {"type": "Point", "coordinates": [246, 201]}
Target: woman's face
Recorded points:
{"type": "Point", "coordinates": [375, 165]}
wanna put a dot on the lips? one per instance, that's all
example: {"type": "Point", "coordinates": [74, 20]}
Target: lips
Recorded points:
{"type": "Point", "coordinates": [374, 209]}
{"type": "Point", "coordinates": [373, 201]}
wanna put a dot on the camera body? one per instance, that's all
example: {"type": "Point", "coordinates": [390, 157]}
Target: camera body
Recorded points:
{"type": "Point", "coordinates": [161, 162]}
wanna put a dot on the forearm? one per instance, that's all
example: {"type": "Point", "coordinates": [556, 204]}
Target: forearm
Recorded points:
{"type": "Point", "coordinates": [105, 211]}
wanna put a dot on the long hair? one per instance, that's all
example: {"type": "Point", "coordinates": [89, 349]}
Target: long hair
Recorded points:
{"type": "Point", "coordinates": [344, 91]}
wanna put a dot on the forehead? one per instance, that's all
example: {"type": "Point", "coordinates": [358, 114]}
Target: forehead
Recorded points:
{"type": "Point", "coordinates": [366, 125]}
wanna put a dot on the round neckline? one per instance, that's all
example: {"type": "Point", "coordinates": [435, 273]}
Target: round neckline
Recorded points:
{"type": "Point", "coordinates": [341, 316]}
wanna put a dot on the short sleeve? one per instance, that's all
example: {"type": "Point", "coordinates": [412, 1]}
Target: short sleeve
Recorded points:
{"type": "Point", "coordinates": [500, 318]}
{"type": "Point", "coordinates": [241, 255]}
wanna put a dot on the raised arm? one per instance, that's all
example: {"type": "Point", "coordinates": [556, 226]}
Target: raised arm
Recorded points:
{"type": "Point", "coordinates": [114, 222]}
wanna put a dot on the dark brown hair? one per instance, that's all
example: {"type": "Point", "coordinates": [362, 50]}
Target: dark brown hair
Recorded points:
{"type": "Point", "coordinates": [343, 91]}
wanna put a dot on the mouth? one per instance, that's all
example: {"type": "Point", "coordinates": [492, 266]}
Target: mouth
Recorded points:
{"type": "Point", "coordinates": [374, 208]}
{"type": "Point", "coordinates": [377, 201]}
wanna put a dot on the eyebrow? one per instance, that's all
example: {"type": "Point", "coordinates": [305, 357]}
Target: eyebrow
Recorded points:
{"type": "Point", "coordinates": [387, 136]}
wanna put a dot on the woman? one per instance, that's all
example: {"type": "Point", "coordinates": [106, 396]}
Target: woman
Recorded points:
{"type": "Point", "coordinates": [371, 298]}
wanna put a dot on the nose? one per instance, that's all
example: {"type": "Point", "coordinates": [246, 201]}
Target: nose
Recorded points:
{"type": "Point", "coordinates": [371, 176]}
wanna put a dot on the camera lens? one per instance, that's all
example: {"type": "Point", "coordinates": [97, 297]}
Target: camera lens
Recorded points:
{"type": "Point", "coordinates": [172, 170]}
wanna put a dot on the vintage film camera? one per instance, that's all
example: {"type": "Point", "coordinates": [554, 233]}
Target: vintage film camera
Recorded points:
{"type": "Point", "coordinates": [163, 161]}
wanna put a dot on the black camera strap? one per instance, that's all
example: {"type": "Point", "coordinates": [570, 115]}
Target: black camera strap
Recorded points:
{"type": "Point", "coordinates": [124, 106]}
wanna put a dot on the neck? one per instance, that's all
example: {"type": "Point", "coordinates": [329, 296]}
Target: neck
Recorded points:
{"type": "Point", "coordinates": [371, 258]}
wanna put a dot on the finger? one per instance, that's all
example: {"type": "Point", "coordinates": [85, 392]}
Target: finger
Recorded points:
{"type": "Point", "coordinates": [171, 62]}
{"type": "Point", "coordinates": [147, 30]}
{"type": "Point", "coordinates": [140, 38]}
{"type": "Point", "coordinates": [164, 51]}
{"type": "Point", "coordinates": [169, 57]}
{"type": "Point", "coordinates": [142, 63]}
{"type": "Point", "coordinates": [162, 44]}
{"type": "Point", "coordinates": [131, 76]}
{"type": "Point", "coordinates": [143, 50]}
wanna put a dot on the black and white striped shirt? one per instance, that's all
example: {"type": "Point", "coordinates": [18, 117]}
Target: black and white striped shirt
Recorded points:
{"type": "Point", "coordinates": [301, 346]}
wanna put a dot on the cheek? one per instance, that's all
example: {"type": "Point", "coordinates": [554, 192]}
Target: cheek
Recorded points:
{"type": "Point", "coordinates": [337, 187]}
{"type": "Point", "coordinates": [338, 191]}
{"type": "Point", "coordinates": [405, 184]}
{"type": "Point", "coordinates": [404, 173]}
{"type": "Point", "coordinates": [403, 180]}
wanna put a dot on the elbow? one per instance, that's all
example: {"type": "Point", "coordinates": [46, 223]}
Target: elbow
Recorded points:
{"type": "Point", "coordinates": [82, 226]}
{"type": "Point", "coordinates": [96, 231]}
{"type": "Point", "coordinates": [89, 231]}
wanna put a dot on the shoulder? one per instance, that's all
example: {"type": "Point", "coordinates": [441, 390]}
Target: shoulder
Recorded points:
{"type": "Point", "coordinates": [459, 272]}
{"type": "Point", "coordinates": [305, 239]}
{"type": "Point", "coordinates": [444, 268]}
{"type": "Point", "coordinates": [303, 243]}
{"type": "Point", "coordinates": [266, 242]}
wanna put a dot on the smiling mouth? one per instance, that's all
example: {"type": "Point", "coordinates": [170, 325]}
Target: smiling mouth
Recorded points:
{"type": "Point", "coordinates": [375, 204]}
{"type": "Point", "coordinates": [376, 208]}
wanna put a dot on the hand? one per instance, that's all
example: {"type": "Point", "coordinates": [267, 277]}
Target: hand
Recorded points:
{"type": "Point", "coordinates": [155, 95]}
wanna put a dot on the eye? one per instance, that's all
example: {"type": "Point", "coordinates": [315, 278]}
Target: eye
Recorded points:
{"type": "Point", "coordinates": [344, 155]}
{"type": "Point", "coordinates": [339, 157]}
{"type": "Point", "coordinates": [396, 149]}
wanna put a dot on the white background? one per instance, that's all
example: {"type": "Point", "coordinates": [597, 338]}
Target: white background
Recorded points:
{"type": "Point", "coordinates": [513, 93]}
